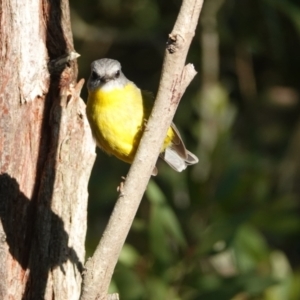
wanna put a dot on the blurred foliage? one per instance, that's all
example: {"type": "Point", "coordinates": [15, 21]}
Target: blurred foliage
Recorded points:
{"type": "Point", "coordinates": [227, 228]}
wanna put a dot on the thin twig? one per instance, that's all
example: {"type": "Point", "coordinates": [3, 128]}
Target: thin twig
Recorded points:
{"type": "Point", "coordinates": [174, 80]}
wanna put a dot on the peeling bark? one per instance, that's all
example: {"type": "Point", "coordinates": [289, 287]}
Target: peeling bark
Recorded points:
{"type": "Point", "coordinates": [46, 154]}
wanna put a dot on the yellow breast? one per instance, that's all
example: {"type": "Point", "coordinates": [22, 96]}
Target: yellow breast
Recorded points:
{"type": "Point", "coordinates": [117, 118]}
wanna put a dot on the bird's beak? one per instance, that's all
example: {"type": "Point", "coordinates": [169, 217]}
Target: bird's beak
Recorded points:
{"type": "Point", "coordinates": [105, 78]}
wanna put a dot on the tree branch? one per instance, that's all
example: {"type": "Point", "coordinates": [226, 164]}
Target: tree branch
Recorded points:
{"type": "Point", "coordinates": [174, 80]}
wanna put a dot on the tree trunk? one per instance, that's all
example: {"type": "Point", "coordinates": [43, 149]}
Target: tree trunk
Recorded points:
{"type": "Point", "coordinates": [46, 154]}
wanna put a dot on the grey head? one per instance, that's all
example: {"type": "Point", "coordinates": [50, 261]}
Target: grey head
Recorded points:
{"type": "Point", "coordinates": [106, 74]}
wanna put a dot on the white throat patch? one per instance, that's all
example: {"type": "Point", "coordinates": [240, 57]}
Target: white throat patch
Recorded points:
{"type": "Point", "coordinates": [112, 85]}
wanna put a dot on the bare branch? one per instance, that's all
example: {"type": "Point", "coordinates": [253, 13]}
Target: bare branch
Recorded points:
{"type": "Point", "coordinates": [174, 80]}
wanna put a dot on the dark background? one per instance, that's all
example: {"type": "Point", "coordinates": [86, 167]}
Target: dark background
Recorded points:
{"type": "Point", "coordinates": [229, 227]}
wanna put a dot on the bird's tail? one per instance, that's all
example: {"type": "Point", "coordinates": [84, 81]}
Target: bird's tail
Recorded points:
{"type": "Point", "coordinates": [176, 155]}
{"type": "Point", "coordinates": [176, 160]}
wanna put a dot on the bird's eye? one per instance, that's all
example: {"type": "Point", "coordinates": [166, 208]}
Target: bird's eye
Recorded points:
{"type": "Point", "coordinates": [94, 75]}
{"type": "Point", "coordinates": [117, 74]}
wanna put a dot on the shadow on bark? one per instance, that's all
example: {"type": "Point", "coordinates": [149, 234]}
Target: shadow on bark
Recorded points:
{"type": "Point", "coordinates": [34, 234]}
{"type": "Point", "coordinates": [42, 237]}
{"type": "Point", "coordinates": [16, 212]}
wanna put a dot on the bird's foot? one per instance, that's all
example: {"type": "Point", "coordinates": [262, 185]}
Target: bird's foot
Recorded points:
{"type": "Point", "coordinates": [120, 188]}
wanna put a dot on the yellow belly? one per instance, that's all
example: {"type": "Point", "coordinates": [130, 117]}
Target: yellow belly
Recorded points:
{"type": "Point", "coordinates": [118, 118]}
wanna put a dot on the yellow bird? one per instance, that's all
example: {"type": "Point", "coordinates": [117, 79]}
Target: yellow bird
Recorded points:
{"type": "Point", "coordinates": [117, 111]}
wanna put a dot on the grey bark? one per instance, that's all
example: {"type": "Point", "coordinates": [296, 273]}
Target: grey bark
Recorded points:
{"type": "Point", "coordinates": [174, 80]}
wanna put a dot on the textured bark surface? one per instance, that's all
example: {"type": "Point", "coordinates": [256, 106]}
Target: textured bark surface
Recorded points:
{"type": "Point", "coordinates": [46, 154]}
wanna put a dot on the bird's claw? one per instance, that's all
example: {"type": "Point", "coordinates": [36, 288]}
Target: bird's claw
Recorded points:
{"type": "Point", "coordinates": [120, 188]}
